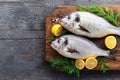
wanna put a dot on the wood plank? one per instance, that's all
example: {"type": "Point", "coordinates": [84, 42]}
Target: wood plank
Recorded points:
{"type": "Point", "coordinates": [22, 16]}
{"type": "Point", "coordinates": [21, 34]}
{"type": "Point", "coordinates": [66, 2]}
{"type": "Point", "coordinates": [62, 11]}
{"type": "Point", "coordinates": [20, 20]}
{"type": "Point", "coordinates": [53, 75]}
{"type": "Point", "coordinates": [21, 55]}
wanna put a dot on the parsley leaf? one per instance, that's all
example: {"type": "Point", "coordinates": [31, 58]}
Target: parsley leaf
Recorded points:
{"type": "Point", "coordinates": [67, 65]}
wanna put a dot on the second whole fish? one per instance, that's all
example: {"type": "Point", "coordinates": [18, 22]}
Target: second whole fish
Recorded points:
{"type": "Point", "coordinates": [88, 24]}
{"type": "Point", "coordinates": [75, 47]}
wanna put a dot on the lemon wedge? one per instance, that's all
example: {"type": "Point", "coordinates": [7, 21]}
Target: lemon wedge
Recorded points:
{"type": "Point", "coordinates": [56, 29]}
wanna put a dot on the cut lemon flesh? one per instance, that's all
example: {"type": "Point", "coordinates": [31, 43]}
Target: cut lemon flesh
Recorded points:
{"type": "Point", "coordinates": [91, 63]}
{"type": "Point", "coordinates": [56, 29]}
{"type": "Point", "coordinates": [79, 63]}
{"type": "Point", "coordinates": [110, 42]}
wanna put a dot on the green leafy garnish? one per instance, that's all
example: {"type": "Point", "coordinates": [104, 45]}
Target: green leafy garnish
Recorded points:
{"type": "Point", "coordinates": [67, 65]}
{"type": "Point", "coordinates": [53, 37]}
{"type": "Point", "coordinates": [102, 61]}
{"type": "Point", "coordinates": [118, 38]}
{"type": "Point", "coordinates": [63, 32]}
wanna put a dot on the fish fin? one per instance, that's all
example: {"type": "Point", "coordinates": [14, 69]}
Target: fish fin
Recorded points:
{"type": "Point", "coordinates": [83, 29]}
{"type": "Point", "coordinates": [111, 55]}
{"type": "Point", "coordinates": [72, 50]}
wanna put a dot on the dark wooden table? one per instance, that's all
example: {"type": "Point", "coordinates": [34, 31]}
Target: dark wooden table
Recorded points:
{"type": "Point", "coordinates": [22, 40]}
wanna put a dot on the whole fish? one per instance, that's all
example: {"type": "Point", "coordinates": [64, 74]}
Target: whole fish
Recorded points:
{"type": "Point", "coordinates": [75, 47]}
{"type": "Point", "coordinates": [88, 24]}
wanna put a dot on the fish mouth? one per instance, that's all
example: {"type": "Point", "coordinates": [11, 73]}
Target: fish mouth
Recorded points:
{"type": "Point", "coordinates": [65, 25]}
{"type": "Point", "coordinates": [53, 46]}
{"type": "Point", "coordinates": [62, 22]}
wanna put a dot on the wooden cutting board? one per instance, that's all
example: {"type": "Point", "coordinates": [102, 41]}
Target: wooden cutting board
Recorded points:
{"type": "Point", "coordinates": [61, 11]}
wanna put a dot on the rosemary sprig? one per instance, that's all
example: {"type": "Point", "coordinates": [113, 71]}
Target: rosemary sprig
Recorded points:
{"type": "Point", "coordinates": [67, 65]}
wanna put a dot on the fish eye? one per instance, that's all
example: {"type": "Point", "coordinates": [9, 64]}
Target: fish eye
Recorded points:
{"type": "Point", "coordinates": [77, 19]}
{"type": "Point", "coordinates": [58, 41]}
{"type": "Point", "coordinates": [68, 17]}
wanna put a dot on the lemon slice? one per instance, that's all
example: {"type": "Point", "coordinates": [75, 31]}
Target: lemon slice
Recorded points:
{"type": "Point", "coordinates": [110, 42]}
{"type": "Point", "coordinates": [88, 56]}
{"type": "Point", "coordinates": [79, 63]}
{"type": "Point", "coordinates": [56, 29]}
{"type": "Point", "coordinates": [91, 63]}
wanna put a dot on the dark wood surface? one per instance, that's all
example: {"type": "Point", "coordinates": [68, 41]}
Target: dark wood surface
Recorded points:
{"type": "Point", "coordinates": [22, 41]}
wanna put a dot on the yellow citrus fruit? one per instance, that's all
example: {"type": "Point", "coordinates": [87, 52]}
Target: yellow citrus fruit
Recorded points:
{"type": "Point", "coordinates": [56, 29]}
{"type": "Point", "coordinates": [110, 42]}
{"type": "Point", "coordinates": [88, 56]}
{"type": "Point", "coordinates": [79, 63]}
{"type": "Point", "coordinates": [91, 63]}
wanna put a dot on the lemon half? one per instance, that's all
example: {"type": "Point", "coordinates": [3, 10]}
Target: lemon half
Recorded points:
{"type": "Point", "coordinates": [79, 63]}
{"type": "Point", "coordinates": [110, 42]}
{"type": "Point", "coordinates": [91, 63]}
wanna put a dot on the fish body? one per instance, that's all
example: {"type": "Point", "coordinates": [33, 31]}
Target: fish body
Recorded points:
{"type": "Point", "coordinates": [88, 24]}
{"type": "Point", "coordinates": [75, 47]}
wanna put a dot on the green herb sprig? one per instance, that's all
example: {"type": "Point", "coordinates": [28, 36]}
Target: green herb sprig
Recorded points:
{"type": "Point", "coordinates": [67, 65]}
{"type": "Point", "coordinates": [53, 37]}
{"type": "Point", "coordinates": [102, 61]}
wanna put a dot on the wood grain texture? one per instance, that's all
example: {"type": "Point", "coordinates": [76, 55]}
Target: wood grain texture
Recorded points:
{"type": "Point", "coordinates": [22, 40]}
{"type": "Point", "coordinates": [24, 19]}
{"type": "Point", "coordinates": [62, 11]}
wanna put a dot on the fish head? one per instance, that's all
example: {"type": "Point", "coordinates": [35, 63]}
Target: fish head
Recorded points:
{"type": "Point", "coordinates": [58, 44]}
{"type": "Point", "coordinates": [70, 20]}
{"type": "Point", "coordinates": [67, 21]}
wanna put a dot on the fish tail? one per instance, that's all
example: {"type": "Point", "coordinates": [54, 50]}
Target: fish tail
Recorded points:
{"type": "Point", "coordinates": [111, 54]}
